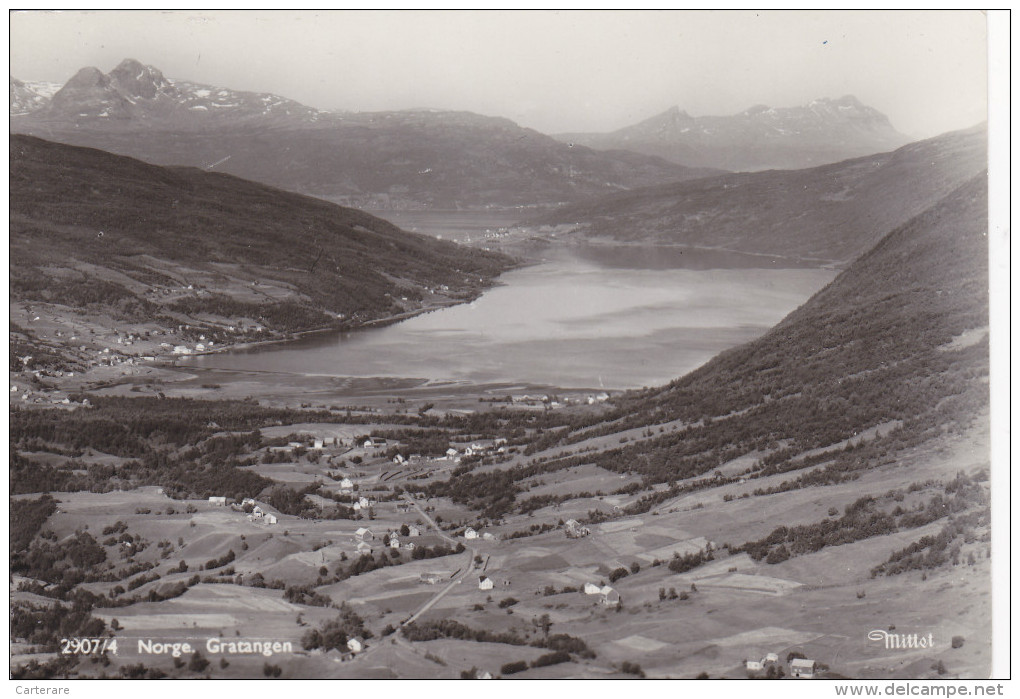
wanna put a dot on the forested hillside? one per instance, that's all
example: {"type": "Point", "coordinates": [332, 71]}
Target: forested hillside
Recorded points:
{"type": "Point", "coordinates": [93, 228]}
{"type": "Point", "coordinates": [831, 213]}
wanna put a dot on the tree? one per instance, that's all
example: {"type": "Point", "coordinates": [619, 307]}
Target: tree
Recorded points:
{"type": "Point", "coordinates": [545, 623]}
{"type": "Point", "coordinates": [198, 663]}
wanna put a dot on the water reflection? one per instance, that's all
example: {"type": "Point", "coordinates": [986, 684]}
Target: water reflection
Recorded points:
{"type": "Point", "coordinates": [590, 317]}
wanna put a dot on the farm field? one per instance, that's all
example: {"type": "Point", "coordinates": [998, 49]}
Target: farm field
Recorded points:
{"type": "Point", "coordinates": [281, 580]}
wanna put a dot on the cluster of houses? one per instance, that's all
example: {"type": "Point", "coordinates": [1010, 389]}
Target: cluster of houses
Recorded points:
{"type": "Point", "coordinates": [575, 530]}
{"type": "Point", "coordinates": [433, 577]}
{"type": "Point", "coordinates": [608, 596]}
{"type": "Point", "coordinates": [471, 533]}
{"type": "Point", "coordinates": [799, 667]}
{"type": "Point", "coordinates": [392, 540]}
{"type": "Point", "coordinates": [257, 514]}
{"type": "Point", "coordinates": [45, 397]}
{"type": "Point", "coordinates": [480, 448]}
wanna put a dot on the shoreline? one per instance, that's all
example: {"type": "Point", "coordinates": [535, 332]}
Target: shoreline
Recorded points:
{"type": "Point", "coordinates": [172, 360]}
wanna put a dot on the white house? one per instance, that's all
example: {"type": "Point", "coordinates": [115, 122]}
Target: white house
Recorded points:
{"type": "Point", "coordinates": [247, 501]}
{"type": "Point", "coordinates": [770, 658]}
{"type": "Point", "coordinates": [610, 597]}
{"type": "Point", "coordinates": [409, 546]}
{"type": "Point", "coordinates": [592, 589]}
{"type": "Point", "coordinates": [394, 542]}
{"type": "Point", "coordinates": [363, 548]}
{"type": "Point", "coordinates": [484, 583]}
{"type": "Point", "coordinates": [488, 537]}
{"type": "Point", "coordinates": [356, 507]}
{"type": "Point", "coordinates": [367, 444]}
{"type": "Point", "coordinates": [217, 500]}
{"type": "Point", "coordinates": [269, 519]}
{"type": "Point", "coordinates": [802, 667]}
{"type": "Point", "coordinates": [356, 644]}
{"type": "Point", "coordinates": [470, 533]}
{"type": "Point", "coordinates": [347, 483]}
{"type": "Point", "coordinates": [753, 665]}
{"type": "Point", "coordinates": [317, 444]}
{"type": "Point", "coordinates": [451, 452]}
{"type": "Point", "coordinates": [364, 533]}
{"type": "Point", "coordinates": [412, 530]}
{"type": "Point", "coordinates": [398, 459]}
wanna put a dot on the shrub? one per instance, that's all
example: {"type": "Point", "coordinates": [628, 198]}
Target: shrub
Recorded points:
{"type": "Point", "coordinates": [778, 554]}
{"type": "Point", "coordinates": [511, 668]}
{"type": "Point", "coordinates": [554, 658]}
{"type": "Point", "coordinates": [957, 642]}
{"type": "Point", "coordinates": [198, 663]}
{"type": "Point", "coordinates": [630, 668]}
{"type": "Point", "coordinates": [617, 574]}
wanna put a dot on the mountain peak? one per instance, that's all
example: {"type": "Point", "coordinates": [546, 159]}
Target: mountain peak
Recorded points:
{"type": "Point", "coordinates": [849, 101]}
{"type": "Point", "coordinates": [130, 65]}
{"type": "Point", "coordinates": [675, 112]}
{"type": "Point", "coordinates": [87, 78]}
{"type": "Point", "coordinates": [136, 80]}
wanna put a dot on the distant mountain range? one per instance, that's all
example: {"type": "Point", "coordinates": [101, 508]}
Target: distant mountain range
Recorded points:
{"type": "Point", "coordinates": [109, 234]}
{"type": "Point", "coordinates": [832, 213]}
{"type": "Point", "coordinates": [404, 159]}
{"type": "Point", "coordinates": [30, 96]}
{"type": "Point", "coordinates": [759, 138]}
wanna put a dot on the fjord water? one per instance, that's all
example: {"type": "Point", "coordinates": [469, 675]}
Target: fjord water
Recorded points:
{"type": "Point", "coordinates": [584, 318]}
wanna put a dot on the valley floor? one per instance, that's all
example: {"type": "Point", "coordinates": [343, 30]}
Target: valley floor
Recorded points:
{"type": "Point", "coordinates": [826, 606]}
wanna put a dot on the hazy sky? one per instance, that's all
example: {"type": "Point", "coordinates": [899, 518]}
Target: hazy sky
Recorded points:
{"type": "Point", "coordinates": [552, 71]}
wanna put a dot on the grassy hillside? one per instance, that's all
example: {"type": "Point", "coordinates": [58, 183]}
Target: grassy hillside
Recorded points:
{"type": "Point", "coordinates": [832, 213]}
{"type": "Point", "coordinates": [89, 228]}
